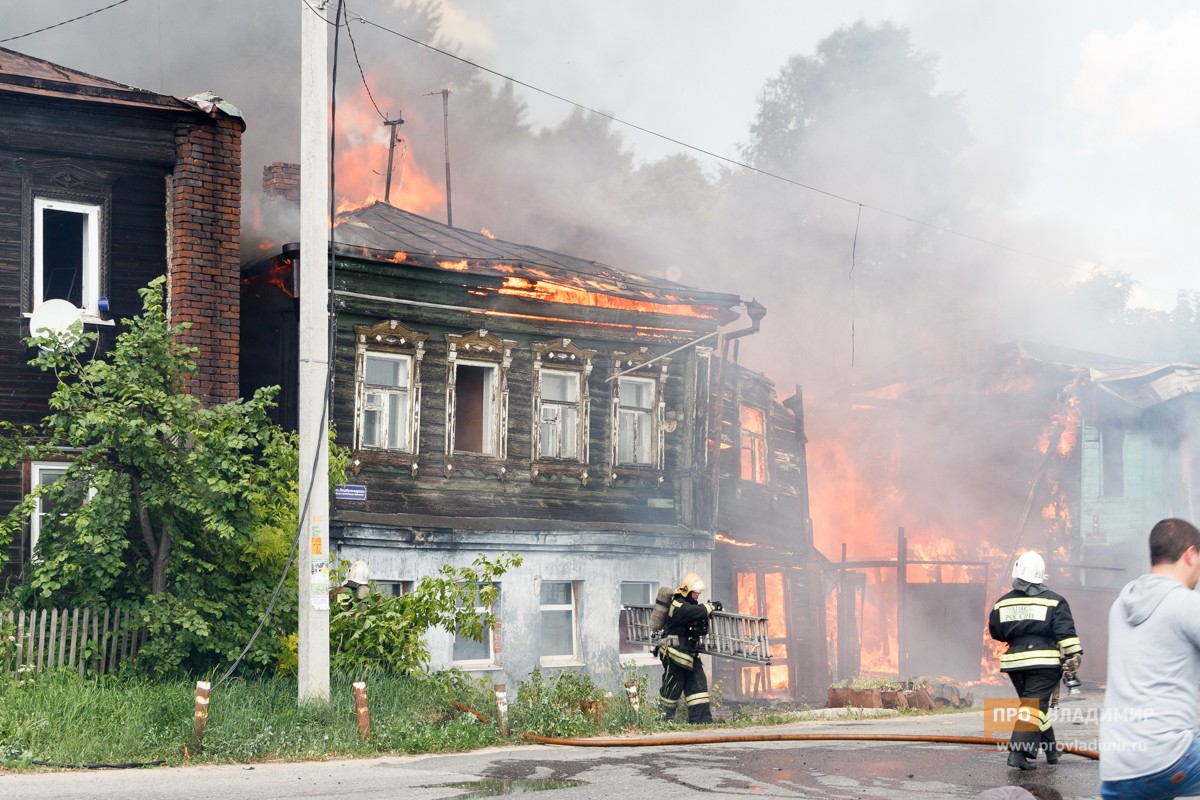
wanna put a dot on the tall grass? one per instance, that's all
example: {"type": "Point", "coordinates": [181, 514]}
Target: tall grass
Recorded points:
{"type": "Point", "coordinates": [59, 718]}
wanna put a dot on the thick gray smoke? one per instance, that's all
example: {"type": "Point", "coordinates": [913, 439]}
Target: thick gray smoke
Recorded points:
{"type": "Point", "coordinates": [873, 285]}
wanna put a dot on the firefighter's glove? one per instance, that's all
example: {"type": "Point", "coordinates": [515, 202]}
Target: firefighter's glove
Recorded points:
{"type": "Point", "coordinates": [1071, 663]}
{"type": "Point", "coordinates": [716, 605]}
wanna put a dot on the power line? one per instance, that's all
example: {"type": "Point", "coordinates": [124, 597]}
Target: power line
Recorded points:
{"type": "Point", "coordinates": [64, 22]}
{"type": "Point", "coordinates": [725, 159]}
{"type": "Point", "coordinates": [354, 47]}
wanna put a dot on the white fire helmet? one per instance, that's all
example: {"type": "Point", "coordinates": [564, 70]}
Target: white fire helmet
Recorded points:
{"type": "Point", "coordinates": [1030, 567]}
{"type": "Point", "coordinates": [691, 583]}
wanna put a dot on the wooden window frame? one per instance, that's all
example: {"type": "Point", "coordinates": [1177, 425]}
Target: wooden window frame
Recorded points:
{"type": "Point", "coordinates": [393, 339]}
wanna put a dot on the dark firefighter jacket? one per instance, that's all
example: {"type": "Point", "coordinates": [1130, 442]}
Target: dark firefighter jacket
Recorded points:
{"type": "Point", "coordinates": [1038, 629]}
{"type": "Point", "coordinates": [688, 621]}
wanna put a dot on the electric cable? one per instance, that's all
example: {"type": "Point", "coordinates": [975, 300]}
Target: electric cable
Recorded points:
{"type": "Point", "coordinates": [354, 47]}
{"type": "Point", "coordinates": [64, 22]}
{"type": "Point", "coordinates": [732, 161]}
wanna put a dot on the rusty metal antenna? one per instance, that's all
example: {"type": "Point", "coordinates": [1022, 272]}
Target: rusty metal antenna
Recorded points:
{"type": "Point", "coordinates": [445, 93]}
{"type": "Point", "coordinates": [393, 124]}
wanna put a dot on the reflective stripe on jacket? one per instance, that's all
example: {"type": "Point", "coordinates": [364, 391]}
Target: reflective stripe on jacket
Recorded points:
{"type": "Point", "coordinates": [1038, 629]}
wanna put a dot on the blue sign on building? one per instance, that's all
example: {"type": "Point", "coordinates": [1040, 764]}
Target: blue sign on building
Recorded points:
{"type": "Point", "coordinates": [349, 491]}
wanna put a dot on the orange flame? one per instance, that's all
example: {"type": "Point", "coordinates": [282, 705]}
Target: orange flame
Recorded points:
{"type": "Point", "coordinates": [457, 266]}
{"type": "Point", "coordinates": [361, 158]}
{"type": "Point", "coordinates": [560, 293]}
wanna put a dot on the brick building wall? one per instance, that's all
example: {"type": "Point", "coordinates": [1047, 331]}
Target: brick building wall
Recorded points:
{"type": "Point", "coordinates": [204, 250]}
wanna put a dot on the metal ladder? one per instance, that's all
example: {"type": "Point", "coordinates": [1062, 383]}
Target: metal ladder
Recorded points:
{"type": "Point", "coordinates": [733, 636]}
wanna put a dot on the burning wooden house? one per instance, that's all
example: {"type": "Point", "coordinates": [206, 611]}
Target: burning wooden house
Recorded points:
{"type": "Point", "coordinates": [1073, 454]}
{"type": "Point", "coordinates": [765, 561]}
{"type": "Point", "coordinates": [103, 187]}
{"type": "Point", "coordinates": [499, 397]}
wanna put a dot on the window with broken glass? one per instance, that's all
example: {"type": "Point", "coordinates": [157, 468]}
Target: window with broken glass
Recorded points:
{"type": "Point", "coordinates": [388, 388]}
{"type": "Point", "coordinates": [636, 421]}
{"type": "Point", "coordinates": [386, 402]}
{"type": "Point", "coordinates": [754, 445]}
{"type": "Point", "coordinates": [558, 431]}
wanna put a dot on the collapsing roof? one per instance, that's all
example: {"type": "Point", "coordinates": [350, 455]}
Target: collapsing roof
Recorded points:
{"type": "Point", "coordinates": [381, 232]}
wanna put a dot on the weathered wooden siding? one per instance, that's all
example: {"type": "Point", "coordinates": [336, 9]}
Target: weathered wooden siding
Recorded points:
{"type": "Point", "coordinates": [124, 153]}
{"type": "Point", "coordinates": [393, 489]}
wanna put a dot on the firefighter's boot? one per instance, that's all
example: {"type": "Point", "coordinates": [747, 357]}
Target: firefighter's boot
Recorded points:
{"type": "Point", "coordinates": [1018, 760]}
{"type": "Point", "coordinates": [1053, 752]}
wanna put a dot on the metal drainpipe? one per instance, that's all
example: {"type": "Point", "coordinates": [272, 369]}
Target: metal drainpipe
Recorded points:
{"type": "Point", "coordinates": [756, 311]}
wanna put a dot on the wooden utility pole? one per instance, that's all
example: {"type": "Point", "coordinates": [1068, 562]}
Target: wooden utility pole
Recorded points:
{"type": "Point", "coordinates": [445, 93]}
{"type": "Point", "coordinates": [313, 646]}
{"type": "Point", "coordinates": [392, 138]}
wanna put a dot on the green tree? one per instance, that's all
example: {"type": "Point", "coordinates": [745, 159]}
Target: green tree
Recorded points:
{"type": "Point", "coordinates": [187, 509]}
{"type": "Point", "coordinates": [388, 633]}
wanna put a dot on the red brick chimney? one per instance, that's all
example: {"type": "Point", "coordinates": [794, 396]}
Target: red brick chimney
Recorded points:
{"type": "Point", "coordinates": [281, 181]}
{"type": "Point", "coordinates": [204, 249]}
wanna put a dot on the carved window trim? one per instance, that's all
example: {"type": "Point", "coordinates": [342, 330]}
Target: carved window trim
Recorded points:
{"type": "Point", "coordinates": [478, 348]}
{"type": "Point", "coordinates": [639, 365]}
{"type": "Point", "coordinates": [391, 338]}
{"type": "Point", "coordinates": [562, 355]}
{"type": "Point", "coordinates": [62, 182]}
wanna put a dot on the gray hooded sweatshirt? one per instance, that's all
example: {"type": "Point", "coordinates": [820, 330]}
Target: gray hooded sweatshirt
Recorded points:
{"type": "Point", "coordinates": [1149, 715]}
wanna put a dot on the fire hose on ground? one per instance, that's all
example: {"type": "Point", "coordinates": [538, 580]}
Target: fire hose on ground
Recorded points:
{"type": "Point", "coordinates": [722, 738]}
{"type": "Point", "coordinates": [733, 738]}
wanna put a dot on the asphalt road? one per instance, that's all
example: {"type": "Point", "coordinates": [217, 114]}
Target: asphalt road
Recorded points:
{"type": "Point", "coordinates": [860, 769]}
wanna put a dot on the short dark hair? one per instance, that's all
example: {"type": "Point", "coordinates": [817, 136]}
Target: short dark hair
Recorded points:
{"type": "Point", "coordinates": [1169, 538]}
{"type": "Point", "coordinates": [1043, 792]}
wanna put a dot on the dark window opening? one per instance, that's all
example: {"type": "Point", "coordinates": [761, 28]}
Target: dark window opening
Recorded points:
{"type": "Point", "coordinates": [63, 243]}
{"type": "Point", "coordinates": [473, 421]}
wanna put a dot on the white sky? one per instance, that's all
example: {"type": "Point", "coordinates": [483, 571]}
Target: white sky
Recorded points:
{"type": "Point", "coordinates": [1086, 109]}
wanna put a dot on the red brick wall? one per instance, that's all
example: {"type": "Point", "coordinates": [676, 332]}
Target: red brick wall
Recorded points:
{"type": "Point", "coordinates": [204, 254]}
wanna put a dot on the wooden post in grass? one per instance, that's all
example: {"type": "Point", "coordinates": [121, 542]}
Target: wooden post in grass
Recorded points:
{"type": "Point", "coordinates": [501, 708]}
{"type": "Point", "coordinates": [360, 708]}
{"type": "Point", "coordinates": [201, 714]}
{"type": "Point", "coordinates": [631, 691]}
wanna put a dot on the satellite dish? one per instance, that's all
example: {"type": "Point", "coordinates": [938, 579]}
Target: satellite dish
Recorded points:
{"type": "Point", "coordinates": [54, 318]}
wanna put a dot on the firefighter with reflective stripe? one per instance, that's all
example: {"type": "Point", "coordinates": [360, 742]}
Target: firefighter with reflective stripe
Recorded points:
{"type": "Point", "coordinates": [683, 678]}
{"type": "Point", "coordinates": [1036, 624]}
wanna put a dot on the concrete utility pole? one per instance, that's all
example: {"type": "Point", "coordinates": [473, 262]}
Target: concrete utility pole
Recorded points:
{"type": "Point", "coordinates": [313, 648]}
{"type": "Point", "coordinates": [445, 93]}
{"type": "Point", "coordinates": [393, 124]}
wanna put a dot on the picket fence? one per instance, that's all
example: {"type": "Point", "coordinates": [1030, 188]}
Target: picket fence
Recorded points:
{"type": "Point", "coordinates": [92, 641]}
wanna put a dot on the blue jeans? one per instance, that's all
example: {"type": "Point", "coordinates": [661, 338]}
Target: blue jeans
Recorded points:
{"type": "Point", "coordinates": [1181, 779]}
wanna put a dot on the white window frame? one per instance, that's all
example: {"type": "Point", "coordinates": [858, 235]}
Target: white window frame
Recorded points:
{"type": "Point", "coordinates": [38, 471]}
{"type": "Point", "coordinates": [90, 276]}
{"type": "Point", "coordinates": [560, 659]}
{"type": "Point", "coordinates": [648, 414]}
{"type": "Point", "coordinates": [573, 404]}
{"type": "Point", "coordinates": [405, 443]}
{"type": "Point", "coordinates": [390, 339]}
{"type": "Point", "coordinates": [490, 418]}
{"type": "Point", "coordinates": [488, 644]}
{"type": "Point", "coordinates": [641, 655]}
{"type": "Point", "coordinates": [479, 349]}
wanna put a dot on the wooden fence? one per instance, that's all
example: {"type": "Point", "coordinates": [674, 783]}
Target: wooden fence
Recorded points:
{"type": "Point", "coordinates": [92, 641]}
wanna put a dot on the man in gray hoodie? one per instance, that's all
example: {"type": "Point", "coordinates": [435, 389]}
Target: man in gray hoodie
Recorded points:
{"type": "Point", "coordinates": [1149, 745]}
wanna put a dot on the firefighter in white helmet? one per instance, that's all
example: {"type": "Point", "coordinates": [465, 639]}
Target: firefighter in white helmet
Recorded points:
{"type": "Point", "coordinates": [683, 674]}
{"type": "Point", "coordinates": [1037, 626]}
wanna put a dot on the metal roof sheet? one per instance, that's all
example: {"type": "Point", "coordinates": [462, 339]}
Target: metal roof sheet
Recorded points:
{"type": "Point", "coordinates": [390, 232]}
